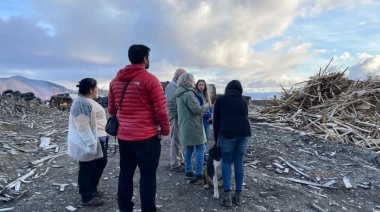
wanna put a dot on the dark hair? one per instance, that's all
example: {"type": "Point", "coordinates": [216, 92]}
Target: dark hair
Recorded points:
{"type": "Point", "coordinates": [236, 85]}
{"type": "Point", "coordinates": [205, 93]}
{"type": "Point", "coordinates": [137, 52]}
{"type": "Point", "coordinates": [86, 84]}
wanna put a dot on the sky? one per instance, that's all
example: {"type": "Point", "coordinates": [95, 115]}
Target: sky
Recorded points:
{"type": "Point", "coordinates": [264, 44]}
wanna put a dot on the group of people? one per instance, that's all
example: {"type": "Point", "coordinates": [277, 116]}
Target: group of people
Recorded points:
{"type": "Point", "coordinates": [146, 115]}
{"type": "Point", "coordinates": [190, 113]}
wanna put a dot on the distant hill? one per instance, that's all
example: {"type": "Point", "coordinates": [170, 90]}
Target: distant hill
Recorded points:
{"type": "Point", "coordinates": [262, 96]}
{"type": "Point", "coordinates": [41, 88]}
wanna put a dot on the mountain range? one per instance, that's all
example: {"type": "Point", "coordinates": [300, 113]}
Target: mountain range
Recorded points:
{"type": "Point", "coordinates": [41, 88]}
{"type": "Point", "coordinates": [262, 96]}
{"type": "Point", "coordinates": [44, 89]}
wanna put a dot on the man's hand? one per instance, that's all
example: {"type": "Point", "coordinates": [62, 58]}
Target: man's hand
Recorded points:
{"type": "Point", "coordinates": [159, 133]}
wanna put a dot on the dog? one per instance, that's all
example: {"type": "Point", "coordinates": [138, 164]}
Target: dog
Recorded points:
{"type": "Point", "coordinates": [213, 171]}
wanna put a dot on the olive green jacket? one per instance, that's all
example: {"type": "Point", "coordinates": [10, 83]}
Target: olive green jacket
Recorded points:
{"type": "Point", "coordinates": [190, 117]}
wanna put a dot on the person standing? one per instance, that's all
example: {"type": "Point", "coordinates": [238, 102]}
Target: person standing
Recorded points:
{"type": "Point", "coordinates": [87, 141]}
{"type": "Point", "coordinates": [143, 122]}
{"type": "Point", "coordinates": [176, 150]}
{"type": "Point", "coordinates": [232, 130]}
{"type": "Point", "coordinates": [191, 132]}
{"type": "Point", "coordinates": [203, 97]}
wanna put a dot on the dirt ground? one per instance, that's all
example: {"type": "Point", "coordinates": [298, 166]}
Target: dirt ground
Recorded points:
{"type": "Point", "coordinates": [23, 124]}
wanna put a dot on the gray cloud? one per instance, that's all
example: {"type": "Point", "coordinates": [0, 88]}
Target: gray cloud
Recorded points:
{"type": "Point", "coordinates": [64, 41]}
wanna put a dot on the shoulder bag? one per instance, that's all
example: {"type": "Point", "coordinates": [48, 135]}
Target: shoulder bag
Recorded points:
{"type": "Point", "coordinates": [112, 122]}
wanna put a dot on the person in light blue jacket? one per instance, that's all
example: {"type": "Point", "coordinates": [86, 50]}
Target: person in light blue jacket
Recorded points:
{"type": "Point", "coordinates": [203, 98]}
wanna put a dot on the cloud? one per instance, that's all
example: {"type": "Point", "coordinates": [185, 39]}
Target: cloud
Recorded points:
{"type": "Point", "coordinates": [367, 64]}
{"type": "Point", "coordinates": [322, 5]}
{"type": "Point", "coordinates": [258, 42]}
{"type": "Point", "coordinates": [345, 56]}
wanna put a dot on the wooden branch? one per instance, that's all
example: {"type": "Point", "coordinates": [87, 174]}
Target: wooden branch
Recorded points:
{"type": "Point", "coordinates": [36, 162]}
{"type": "Point", "coordinates": [293, 167]}
{"type": "Point", "coordinates": [308, 183]}
{"type": "Point", "coordinates": [13, 184]}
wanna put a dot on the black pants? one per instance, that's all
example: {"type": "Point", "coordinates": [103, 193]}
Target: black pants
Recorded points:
{"type": "Point", "coordinates": [89, 175]}
{"type": "Point", "coordinates": [145, 155]}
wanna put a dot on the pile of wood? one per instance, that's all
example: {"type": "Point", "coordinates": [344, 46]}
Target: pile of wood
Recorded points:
{"type": "Point", "coordinates": [330, 106]}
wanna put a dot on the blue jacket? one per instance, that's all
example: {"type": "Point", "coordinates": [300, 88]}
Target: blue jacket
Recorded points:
{"type": "Point", "coordinates": [208, 113]}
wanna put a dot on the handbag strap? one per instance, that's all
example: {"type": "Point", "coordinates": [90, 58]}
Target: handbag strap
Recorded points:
{"type": "Point", "coordinates": [121, 99]}
{"type": "Point", "coordinates": [122, 96]}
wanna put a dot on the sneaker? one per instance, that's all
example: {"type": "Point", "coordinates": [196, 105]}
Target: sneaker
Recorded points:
{"type": "Point", "coordinates": [189, 175]}
{"type": "Point", "coordinates": [179, 168]}
{"type": "Point", "coordinates": [94, 202]}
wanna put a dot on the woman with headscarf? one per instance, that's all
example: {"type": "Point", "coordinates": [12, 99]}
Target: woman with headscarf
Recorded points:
{"type": "Point", "coordinates": [190, 124]}
{"type": "Point", "coordinates": [232, 130]}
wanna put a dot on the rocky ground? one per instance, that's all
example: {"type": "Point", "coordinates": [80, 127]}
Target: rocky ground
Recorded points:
{"type": "Point", "coordinates": [275, 162]}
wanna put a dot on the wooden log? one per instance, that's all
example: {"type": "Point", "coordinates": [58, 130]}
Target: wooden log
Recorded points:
{"type": "Point", "coordinates": [368, 124]}
{"type": "Point", "coordinates": [293, 167]}
{"type": "Point", "coordinates": [36, 162]}
{"type": "Point", "coordinates": [24, 150]}
{"type": "Point", "coordinates": [13, 184]}
{"type": "Point", "coordinates": [308, 183]}
{"type": "Point", "coordinates": [351, 126]}
{"type": "Point", "coordinates": [6, 209]}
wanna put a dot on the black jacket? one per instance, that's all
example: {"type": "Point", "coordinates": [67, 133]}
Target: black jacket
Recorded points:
{"type": "Point", "coordinates": [231, 116]}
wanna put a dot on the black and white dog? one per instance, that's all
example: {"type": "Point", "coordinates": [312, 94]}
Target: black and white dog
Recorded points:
{"type": "Point", "coordinates": [213, 171]}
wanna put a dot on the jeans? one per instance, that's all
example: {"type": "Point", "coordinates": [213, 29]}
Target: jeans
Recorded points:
{"type": "Point", "coordinates": [199, 158]}
{"type": "Point", "coordinates": [176, 150]}
{"type": "Point", "coordinates": [207, 132]}
{"type": "Point", "coordinates": [89, 175]}
{"type": "Point", "coordinates": [233, 152]}
{"type": "Point", "coordinates": [145, 155]}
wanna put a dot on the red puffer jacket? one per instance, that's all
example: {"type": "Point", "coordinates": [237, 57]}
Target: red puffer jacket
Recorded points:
{"type": "Point", "coordinates": [144, 105]}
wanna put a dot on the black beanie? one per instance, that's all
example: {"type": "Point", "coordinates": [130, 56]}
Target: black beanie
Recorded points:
{"type": "Point", "coordinates": [236, 85]}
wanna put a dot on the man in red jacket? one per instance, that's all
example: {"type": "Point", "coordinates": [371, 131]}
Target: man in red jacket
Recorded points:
{"type": "Point", "coordinates": [143, 122]}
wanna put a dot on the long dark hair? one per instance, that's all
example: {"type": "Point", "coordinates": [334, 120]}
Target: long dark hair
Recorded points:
{"type": "Point", "coordinates": [205, 93]}
{"type": "Point", "coordinates": [85, 85]}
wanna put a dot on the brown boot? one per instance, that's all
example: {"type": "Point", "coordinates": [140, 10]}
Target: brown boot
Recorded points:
{"type": "Point", "coordinates": [226, 199]}
{"type": "Point", "coordinates": [237, 198]}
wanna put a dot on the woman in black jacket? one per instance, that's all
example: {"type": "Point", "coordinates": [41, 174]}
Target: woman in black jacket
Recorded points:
{"type": "Point", "coordinates": [232, 130]}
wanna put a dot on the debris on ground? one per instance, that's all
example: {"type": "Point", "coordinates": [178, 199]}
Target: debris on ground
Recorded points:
{"type": "Point", "coordinates": [332, 107]}
{"type": "Point", "coordinates": [286, 167]}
